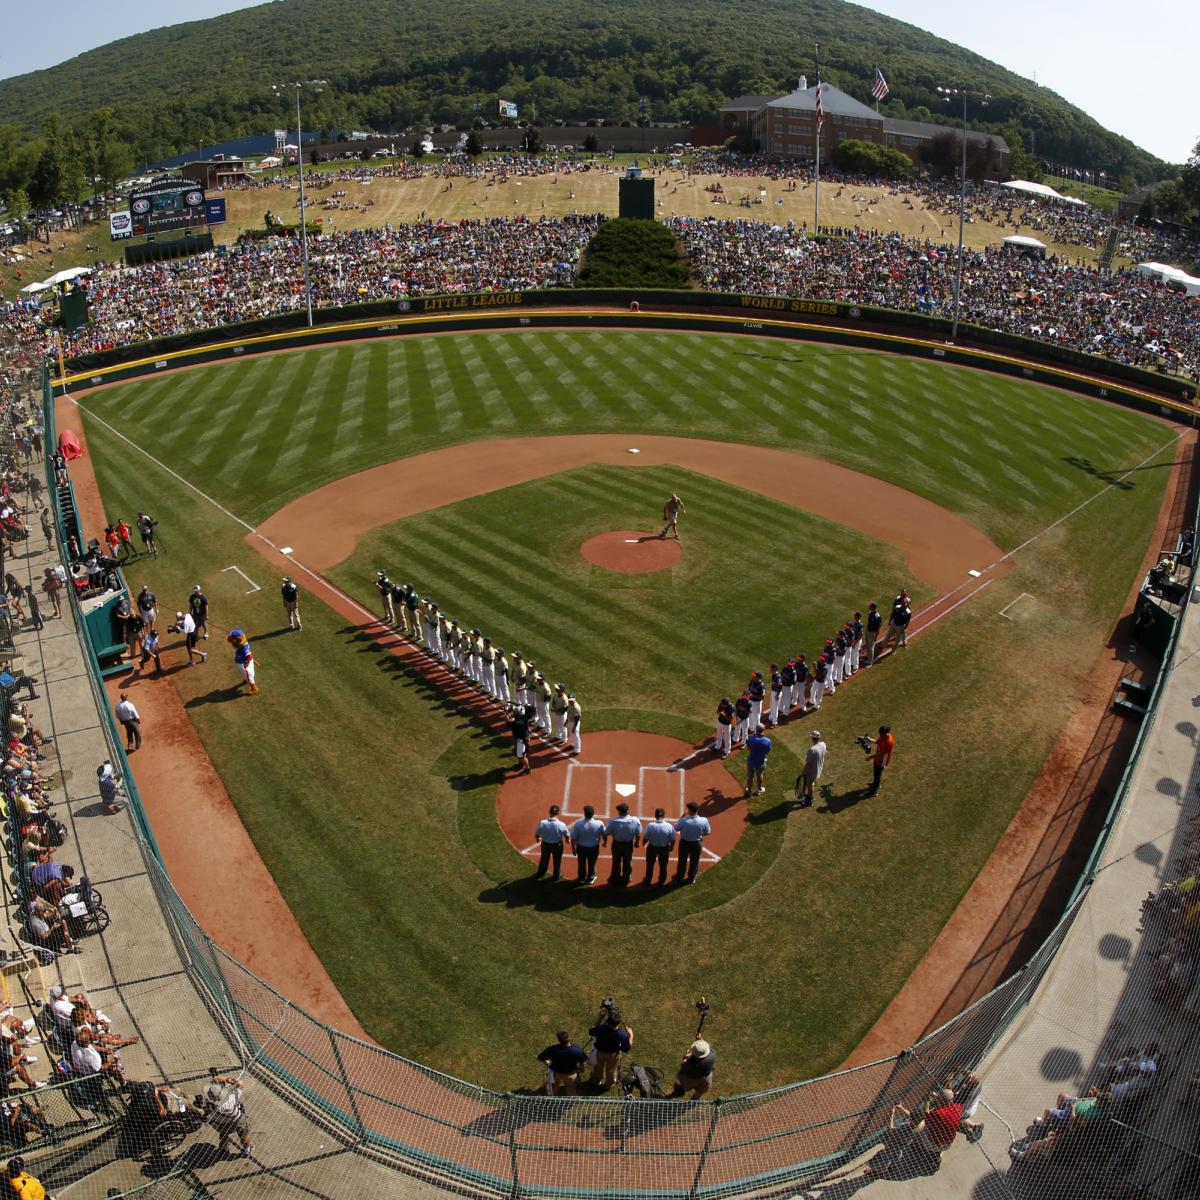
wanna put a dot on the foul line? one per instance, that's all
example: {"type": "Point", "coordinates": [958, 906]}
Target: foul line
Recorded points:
{"type": "Point", "coordinates": [316, 576]}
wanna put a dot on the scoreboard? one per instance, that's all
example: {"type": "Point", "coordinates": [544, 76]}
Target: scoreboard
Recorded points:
{"type": "Point", "coordinates": [170, 202]}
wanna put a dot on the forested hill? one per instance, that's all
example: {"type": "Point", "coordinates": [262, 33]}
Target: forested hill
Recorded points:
{"type": "Point", "coordinates": [392, 64]}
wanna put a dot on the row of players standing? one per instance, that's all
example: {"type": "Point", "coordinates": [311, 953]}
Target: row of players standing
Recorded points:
{"type": "Point", "coordinates": [803, 686]}
{"type": "Point", "coordinates": [554, 711]}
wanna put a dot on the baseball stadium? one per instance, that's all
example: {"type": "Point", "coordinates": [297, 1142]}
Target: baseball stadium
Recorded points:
{"type": "Point", "coordinates": [319, 876]}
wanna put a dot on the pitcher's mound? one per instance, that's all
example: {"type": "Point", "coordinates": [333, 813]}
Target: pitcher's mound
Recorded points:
{"type": "Point", "coordinates": [646, 771]}
{"type": "Point", "coordinates": [632, 550]}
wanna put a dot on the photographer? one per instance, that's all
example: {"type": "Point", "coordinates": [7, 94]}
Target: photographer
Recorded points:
{"type": "Point", "coordinates": [611, 1038]}
{"type": "Point", "coordinates": [879, 751]}
{"type": "Point", "coordinates": [695, 1071]}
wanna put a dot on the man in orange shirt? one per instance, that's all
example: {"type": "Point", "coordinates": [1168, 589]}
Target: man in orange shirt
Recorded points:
{"type": "Point", "coordinates": [881, 756]}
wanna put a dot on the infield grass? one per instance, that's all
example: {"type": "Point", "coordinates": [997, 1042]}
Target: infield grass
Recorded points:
{"type": "Point", "coordinates": [394, 864]}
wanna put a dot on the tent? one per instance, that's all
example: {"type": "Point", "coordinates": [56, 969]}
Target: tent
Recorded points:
{"type": "Point", "coordinates": [1171, 275]}
{"type": "Point", "coordinates": [1023, 243]}
{"type": "Point", "coordinates": [68, 274]}
{"type": "Point", "coordinates": [35, 287]}
{"type": "Point", "coordinates": [1040, 189]}
{"type": "Point", "coordinates": [68, 445]}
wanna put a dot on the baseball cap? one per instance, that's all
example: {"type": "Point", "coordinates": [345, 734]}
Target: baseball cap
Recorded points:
{"type": "Point", "coordinates": [700, 1048]}
{"type": "Point", "coordinates": [196, 588]}
{"type": "Point", "coordinates": [816, 733]}
{"type": "Point", "coordinates": [179, 614]}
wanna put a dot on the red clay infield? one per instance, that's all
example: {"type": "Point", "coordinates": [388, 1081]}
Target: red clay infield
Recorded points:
{"type": "Point", "coordinates": [632, 550]}
{"type": "Point", "coordinates": [646, 771]}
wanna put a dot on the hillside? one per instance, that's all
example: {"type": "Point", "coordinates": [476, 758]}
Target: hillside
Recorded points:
{"type": "Point", "coordinates": [392, 64]}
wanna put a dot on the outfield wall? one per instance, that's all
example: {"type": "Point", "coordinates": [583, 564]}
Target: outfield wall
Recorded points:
{"type": "Point", "coordinates": [709, 312]}
{"type": "Point", "coordinates": [446, 1133]}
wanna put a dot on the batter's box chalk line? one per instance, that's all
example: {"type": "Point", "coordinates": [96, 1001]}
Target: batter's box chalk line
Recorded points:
{"type": "Point", "coordinates": [1016, 604]}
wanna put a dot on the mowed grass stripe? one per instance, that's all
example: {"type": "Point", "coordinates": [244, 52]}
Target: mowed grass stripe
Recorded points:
{"type": "Point", "coordinates": [494, 567]}
{"type": "Point", "coordinates": [730, 393]}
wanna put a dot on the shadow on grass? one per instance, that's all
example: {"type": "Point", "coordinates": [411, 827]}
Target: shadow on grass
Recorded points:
{"type": "Point", "coordinates": [836, 802]}
{"type": "Point", "coordinates": [217, 696]}
{"type": "Point", "coordinates": [437, 685]}
{"type": "Point", "coordinates": [280, 632]}
{"type": "Point", "coordinates": [547, 895]}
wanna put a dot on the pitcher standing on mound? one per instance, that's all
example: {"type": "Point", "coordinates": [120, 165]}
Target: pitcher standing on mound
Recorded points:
{"type": "Point", "coordinates": [671, 510]}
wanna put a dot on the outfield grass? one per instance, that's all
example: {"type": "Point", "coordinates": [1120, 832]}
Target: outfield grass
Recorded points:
{"type": "Point", "coordinates": [404, 883]}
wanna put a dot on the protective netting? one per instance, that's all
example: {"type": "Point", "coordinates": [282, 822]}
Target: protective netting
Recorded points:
{"type": "Point", "coordinates": [1107, 1005]}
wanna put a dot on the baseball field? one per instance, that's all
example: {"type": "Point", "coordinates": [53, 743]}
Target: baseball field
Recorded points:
{"type": "Point", "coordinates": [371, 793]}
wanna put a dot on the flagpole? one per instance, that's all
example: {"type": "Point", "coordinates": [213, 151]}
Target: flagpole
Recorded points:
{"type": "Point", "coordinates": [817, 173]}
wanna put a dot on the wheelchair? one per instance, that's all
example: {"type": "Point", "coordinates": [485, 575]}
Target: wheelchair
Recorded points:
{"type": "Point", "coordinates": [83, 910]}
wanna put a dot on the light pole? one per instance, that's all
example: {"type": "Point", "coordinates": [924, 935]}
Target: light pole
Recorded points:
{"type": "Point", "coordinates": [948, 94]}
{"type": "Point", "coordinates": [278, 88]}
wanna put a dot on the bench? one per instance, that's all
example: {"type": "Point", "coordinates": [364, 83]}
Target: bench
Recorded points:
{"type": "Point", "coordinates": [1123, 705]}
{"type": "Point", "coordinates": [113, 668]}
{"type": "Point", "coordinates": [1137, 691]}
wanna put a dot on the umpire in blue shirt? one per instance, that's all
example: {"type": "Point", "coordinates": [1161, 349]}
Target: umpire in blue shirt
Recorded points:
{"type": "Point", "coordinates": [659, 838]}
{"type": "Point", "coordinates": [692, 829]}
{"type": "Point", "coordinates": [552, 833]}
{"type": "Point", "coordinates": [625, 832]}
{"type": "Point", "coordinates": [585, 835]}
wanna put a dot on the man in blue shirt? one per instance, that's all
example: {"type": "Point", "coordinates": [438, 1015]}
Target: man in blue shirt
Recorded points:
{"type": "Point", "coordinates": [611, 1038]}
{"type": "Point", "coordinates": [659, 838]}
{"type": "Point", "coordinates": [692, 829]}
{"type": "Point", "coordinates": [565, 1061]}
{"type": "Point", "coordinates": [552, 834]}
{"type": "Point", "coordinates": [626, 833]}
{"type": "Point", "coordinates": [585, 836]}
{"type": "Point", "coordinates": [757, 750]}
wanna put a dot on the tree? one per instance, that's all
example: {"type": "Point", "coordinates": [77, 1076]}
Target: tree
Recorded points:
{"type": "Point", "coordinates": [418, 148]}
{"type": "Point", "coordinates": [17, 203]}
{"type": "Point", "coordinates": [591, 143]}
{"type": "Point", "coordinates": [473, 147]}
{"type": "Point", "coordinates": [1171, 200]}
{"type": "Point", "coordinates": [866, 158]}
{"type": "Point", "coordinates": [531, 140]}
{"type": "Point", "coordinates": [1189, 178]}
{"type": "Point", "coordinates": [106, 157]}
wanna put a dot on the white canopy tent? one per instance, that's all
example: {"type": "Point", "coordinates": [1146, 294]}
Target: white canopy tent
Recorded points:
{"type": "Point", "coordinates": [1175, 275]}
{"type": "Point", "coordinates": [1023, 243]}
{"type": "Point", "coordinates": [68, 274]}
{"type": "Point", "coordinates": [35, 287]}
{"type": "Point", "coordinates": [1040, 189]}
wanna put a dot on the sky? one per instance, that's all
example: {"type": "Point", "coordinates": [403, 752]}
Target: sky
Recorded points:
{"type": "Point", "coordinates": [1127, 65]}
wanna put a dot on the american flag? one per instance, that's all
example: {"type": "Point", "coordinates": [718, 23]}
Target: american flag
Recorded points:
{"type": "Point", "coordinates": [880, 89]}
{"type": "Point", "coordinates": [820, 111]}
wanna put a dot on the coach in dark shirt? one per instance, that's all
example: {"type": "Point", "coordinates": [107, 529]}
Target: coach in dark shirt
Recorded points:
{"type": "Point", "coordinates": [565, 1060]}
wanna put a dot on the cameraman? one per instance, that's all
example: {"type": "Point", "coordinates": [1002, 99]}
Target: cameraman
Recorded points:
{"type": "Point", "coordinates": [611, 1038]}
{"type": "Point", "coordinates": [879, 751]}
{"type": "Point", "coordinates": [695, 1071]}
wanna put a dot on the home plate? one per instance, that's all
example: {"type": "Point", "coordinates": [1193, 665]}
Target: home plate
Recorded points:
{"type": "Point", "coordinates": [625, 789]}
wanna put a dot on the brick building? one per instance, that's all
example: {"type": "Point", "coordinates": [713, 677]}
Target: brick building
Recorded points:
{"type": "Point", "coordinates": [785, 126]}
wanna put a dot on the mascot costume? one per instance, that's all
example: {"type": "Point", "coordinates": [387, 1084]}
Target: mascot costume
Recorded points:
{"type": "Point", "coordinates": [243, 656]}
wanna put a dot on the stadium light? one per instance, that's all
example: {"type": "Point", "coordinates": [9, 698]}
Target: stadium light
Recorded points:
{"type": "Point", "coordinates": [298, 86]}
{"type": "Point", "coordinates": [948, 95]}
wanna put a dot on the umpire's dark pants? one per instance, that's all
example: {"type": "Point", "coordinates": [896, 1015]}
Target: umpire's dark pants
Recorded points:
{"type": "Point", "coordinates": [622, 863]}
{"type": "Point", "coordinates": [688, 863]}
{"type": "Point", "coordinates": [550, 850]}
{"type": "Point", "coordinates": [657, 856]}
{"type": "Point", "coordinates": [586, 856]}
